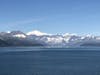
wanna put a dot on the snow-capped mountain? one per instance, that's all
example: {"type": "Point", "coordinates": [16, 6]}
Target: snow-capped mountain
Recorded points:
{"type": "Point", "coordinates": [36, 33]}
{"type": "Point", "coordinates": [16, 38]}
{"type": "Point", "coordinates": [37, 38]}
{"type": "Point", "coordinates": [66, 39]}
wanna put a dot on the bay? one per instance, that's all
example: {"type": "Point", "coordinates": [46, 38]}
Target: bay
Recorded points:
{"type": "Point", "coordinates": [49, 61]}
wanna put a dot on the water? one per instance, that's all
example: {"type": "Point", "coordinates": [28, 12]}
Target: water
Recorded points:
{"type": "Point", "coordinates": [49, 61]}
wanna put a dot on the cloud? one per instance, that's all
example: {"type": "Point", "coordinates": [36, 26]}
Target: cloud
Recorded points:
{"type": "Point", "coordinates": [22, 22]}
{"type": "Point", "coordinates": [17, 25]}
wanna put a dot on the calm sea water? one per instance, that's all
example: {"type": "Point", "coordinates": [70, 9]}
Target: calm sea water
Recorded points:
{"type": "Point", "coordinates": [49, 61]}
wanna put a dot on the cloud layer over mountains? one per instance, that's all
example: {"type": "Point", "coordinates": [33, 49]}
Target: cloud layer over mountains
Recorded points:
{"type": "Point", "coordinates": [37, 38]}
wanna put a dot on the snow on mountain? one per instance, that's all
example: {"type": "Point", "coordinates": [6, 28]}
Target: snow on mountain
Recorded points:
{"type": "Point", "coordinates": [8, 32]}
{"type": "Point", "coordinates": [16, 32]}
{"type": "Point", "coordinates": [37, 33]}
{"type": "Point", "coordinates": [62, 40]}
{"type": "Point", "coordinates": [20, 35]}
{"type": "Point", "coordinates": [16, 38]}
{"type": "Point", "coordinates": [53, 40]}
{"type": "Point", "coordinates": [48, 39]}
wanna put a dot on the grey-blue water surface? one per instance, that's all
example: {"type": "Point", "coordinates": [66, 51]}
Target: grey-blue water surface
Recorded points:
{"type": "Point", "coordinates": [49, 61]}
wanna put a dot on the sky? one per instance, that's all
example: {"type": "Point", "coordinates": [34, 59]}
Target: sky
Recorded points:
{"type": "Point", "coordinates": [51, 16]}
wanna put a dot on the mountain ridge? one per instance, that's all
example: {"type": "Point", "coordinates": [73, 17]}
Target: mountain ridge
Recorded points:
{"type": "Point", "coordinates": [37, 38]}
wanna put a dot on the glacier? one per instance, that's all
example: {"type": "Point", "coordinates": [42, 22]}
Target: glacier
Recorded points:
{"type": "Point", "coordinates": [37, 38]}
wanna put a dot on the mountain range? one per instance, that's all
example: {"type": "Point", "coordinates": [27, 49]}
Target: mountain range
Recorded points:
{"type": "Point", "coordinates": [37, 38]}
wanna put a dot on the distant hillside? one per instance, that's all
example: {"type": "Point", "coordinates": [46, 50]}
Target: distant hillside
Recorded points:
{"type": "Point", "coordinates": [37, 38]}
